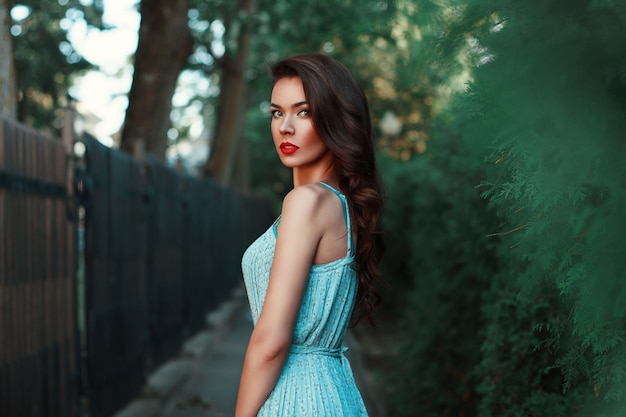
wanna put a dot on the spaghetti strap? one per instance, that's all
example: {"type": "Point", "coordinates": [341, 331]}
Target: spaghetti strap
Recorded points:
{"type": "Point", "coordinates": [346, 215]}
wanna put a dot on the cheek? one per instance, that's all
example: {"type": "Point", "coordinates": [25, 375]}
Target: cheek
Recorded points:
{"type": "Point", "coordinates": [315, 141]}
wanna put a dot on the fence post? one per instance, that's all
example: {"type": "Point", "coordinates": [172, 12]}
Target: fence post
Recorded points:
{"type": "Point", "coordinates": [71, 207]}
{"type": "Point", "coordinates": [67, 138]}
{"type": "Point", "coordinates": [67, 132]}
{"type": "Point", "coordinates": [138, 149]}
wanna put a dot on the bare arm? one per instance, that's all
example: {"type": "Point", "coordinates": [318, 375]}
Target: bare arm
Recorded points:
{"type": "Point", "coordinates": [300, 231]}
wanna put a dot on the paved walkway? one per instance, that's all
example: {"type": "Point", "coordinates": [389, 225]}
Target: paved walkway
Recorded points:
{"type": "Point", "coordinates": [203, 380]}
{"type": "Point", "coordinates": [211, 387]}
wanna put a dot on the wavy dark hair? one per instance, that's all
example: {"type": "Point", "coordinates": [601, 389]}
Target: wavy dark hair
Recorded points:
{"type": "Point", "coordinates": [341, 117]}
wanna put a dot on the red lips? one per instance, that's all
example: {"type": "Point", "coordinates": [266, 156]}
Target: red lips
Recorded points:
{"type": "Point", "coordinates": [288, 148]}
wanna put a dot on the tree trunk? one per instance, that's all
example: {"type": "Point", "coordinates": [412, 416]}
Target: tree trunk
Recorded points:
{"type": "Point", "coordinates": [164, 45]}
{"type": "Point", "coordinates": [8, 105]}
{"type": "Point", "coordinates": [228, 130]}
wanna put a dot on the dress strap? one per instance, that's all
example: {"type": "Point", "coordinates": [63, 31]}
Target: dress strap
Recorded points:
{"type": "Point", "coordinates": [275, 226]}
{"type": "Point", "coordinates": [346, 215]}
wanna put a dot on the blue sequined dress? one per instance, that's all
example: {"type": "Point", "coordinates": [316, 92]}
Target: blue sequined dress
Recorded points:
{"type": "Point", "coordinates": [316, 380]}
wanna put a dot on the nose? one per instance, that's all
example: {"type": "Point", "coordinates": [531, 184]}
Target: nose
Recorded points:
{"type": "Point", "coordinates": [286, 126]}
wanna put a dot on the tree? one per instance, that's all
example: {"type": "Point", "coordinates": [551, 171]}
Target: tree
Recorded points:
{"type": "Point", "coordinates": [233, 43]}
{"type": "Point", "coordinates": [7, 70]}
{"type": "Point", "coordinates": [164, 45]}
{"type": "Point", "coordinates": [233, 66]}
{"type": "Point", "coordinates": [45, 60]}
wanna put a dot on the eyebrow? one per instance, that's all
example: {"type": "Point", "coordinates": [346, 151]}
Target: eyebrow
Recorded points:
{"type": "Point", "coordinates": [293, 106]}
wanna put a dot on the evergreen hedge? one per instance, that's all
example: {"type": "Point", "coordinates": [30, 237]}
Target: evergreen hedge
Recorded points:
{"type": "Point", "coordinates": [440, 264]}
{"type": "Point", "coordinates": [536, 325]}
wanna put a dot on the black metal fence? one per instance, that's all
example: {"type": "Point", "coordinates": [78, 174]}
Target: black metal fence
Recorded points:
{"type": "Point", "coordinates": [90, 303]}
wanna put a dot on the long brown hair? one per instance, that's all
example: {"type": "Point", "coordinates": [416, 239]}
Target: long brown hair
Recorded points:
{"type": "Point", "coordinates": [341, 117]}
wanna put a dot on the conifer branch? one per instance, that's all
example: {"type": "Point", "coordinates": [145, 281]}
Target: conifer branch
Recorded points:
{"type": "Point", "coordinates": [509, 232]}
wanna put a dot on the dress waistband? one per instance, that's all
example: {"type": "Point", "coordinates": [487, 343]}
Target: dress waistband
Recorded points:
{"type": "Point", "coordinates": [317, 350]}
{"type": "Point", "coordinates": [337, 353]}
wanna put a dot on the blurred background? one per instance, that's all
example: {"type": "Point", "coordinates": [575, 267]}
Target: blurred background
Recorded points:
{"type": "Point", "coordinates": [501, 137]}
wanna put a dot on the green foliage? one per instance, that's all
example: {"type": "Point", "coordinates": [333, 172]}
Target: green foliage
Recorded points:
{"type": "Point", "coordinates": [44, 58]}
{"type": "Point", "coordinates": [545, 111]}
{"type": "Point", "coordinates": [517, 371]}
{"type": "Point", "coordinates": [439, 257]}
{"type": "Point", "coordinates": [551, 107]}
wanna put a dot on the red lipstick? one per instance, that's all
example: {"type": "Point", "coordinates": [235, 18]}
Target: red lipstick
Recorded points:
{"type": "Point", "coordinates": [288, 148]}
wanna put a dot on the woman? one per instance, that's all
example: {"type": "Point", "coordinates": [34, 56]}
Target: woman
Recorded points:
{"type": "Point", "coordinates": [307, 272]}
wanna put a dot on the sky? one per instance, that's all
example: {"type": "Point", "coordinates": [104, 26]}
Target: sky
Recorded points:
{"type": "Point", "coordinates": [103, 92]}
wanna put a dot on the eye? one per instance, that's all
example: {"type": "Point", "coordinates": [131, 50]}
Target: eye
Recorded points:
{"type": "Point", "coordinates": [304, 113]}
{"type": "Point", "coordinates": [276, 114]}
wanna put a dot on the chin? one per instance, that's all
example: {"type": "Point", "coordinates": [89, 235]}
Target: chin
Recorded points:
{"type": "Point", "coordinates": [286, 161]}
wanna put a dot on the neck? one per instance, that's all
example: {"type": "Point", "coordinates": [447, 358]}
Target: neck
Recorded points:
{"type": "Point", "coordinates": [302, 176]}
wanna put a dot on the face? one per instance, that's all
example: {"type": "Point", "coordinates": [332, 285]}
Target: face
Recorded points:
{"type": "Point", "coordinates": [296, 141]}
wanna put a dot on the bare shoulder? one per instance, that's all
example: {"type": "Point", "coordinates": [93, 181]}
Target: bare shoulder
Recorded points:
{"type": "Point", "coordinates": [313, 215]}
{"type": "Point", "coordinates": [310, 197]}
{"type": "Point", "coordinates": [313, 202]}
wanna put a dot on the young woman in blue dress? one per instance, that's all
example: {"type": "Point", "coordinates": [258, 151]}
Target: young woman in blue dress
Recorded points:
{"type": "Point", "coordinates": [308, 273]}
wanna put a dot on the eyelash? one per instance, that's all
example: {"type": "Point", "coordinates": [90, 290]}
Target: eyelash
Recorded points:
{"type": "Point", "coordinates": [274, 114]}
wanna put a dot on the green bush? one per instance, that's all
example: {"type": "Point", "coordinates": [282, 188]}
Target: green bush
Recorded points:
{"type": "Point", "coordinates": [440, 261]}
{"type": "Point", "coordinates": [551, 106]}
{"type": "Point", "coordinates": [536, 326]}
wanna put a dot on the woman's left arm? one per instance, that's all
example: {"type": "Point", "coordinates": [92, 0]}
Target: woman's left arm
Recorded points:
{"type": "Point", "coordinates": [299, 234]}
